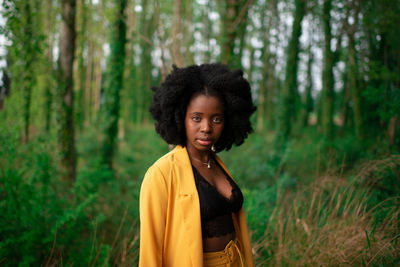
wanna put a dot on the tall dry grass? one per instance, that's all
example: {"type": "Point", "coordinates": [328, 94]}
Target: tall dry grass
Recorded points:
{"type": "Point", "coordinates": [334, 222]}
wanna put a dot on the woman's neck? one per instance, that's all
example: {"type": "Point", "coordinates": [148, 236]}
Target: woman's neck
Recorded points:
{"type": "Point", "coordinates": [201, 155]}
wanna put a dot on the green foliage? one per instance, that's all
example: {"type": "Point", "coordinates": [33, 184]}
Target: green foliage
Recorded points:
{"type": "Point", "coordinates": [34, 213]}
{"type": "Point", "coordinates": [252, 162]}
{"type": "Point", "coordinates": [43, 220]}
{"type": "Point", "coordinates": [385, 101]}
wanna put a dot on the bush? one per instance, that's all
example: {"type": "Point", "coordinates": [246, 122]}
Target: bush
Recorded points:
{"type": "Point", "coordinates": [36, 210]}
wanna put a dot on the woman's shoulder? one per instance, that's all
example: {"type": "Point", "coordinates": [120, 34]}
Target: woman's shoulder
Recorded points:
{"type": "Point", "coordinates": [160, 172]}
{"type": "Point", "coordinates": [169, 160]}
{"type": "Point", "coordinates": [165, 161]}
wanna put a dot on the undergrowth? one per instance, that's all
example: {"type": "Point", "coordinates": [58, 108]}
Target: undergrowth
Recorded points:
{"type": "Point", "coordinates": [321, 204]}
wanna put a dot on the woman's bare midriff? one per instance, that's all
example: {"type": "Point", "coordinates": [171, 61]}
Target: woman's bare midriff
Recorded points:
{"type": "Point", "coordinates": [213, 244]}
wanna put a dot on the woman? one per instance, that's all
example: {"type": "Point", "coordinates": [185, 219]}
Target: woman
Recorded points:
{"type": "Point", "coordinates": [191, 210]}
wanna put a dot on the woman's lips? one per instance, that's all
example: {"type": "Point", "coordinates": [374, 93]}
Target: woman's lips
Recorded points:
{"type": "Point", "coordinates": [204, 142]}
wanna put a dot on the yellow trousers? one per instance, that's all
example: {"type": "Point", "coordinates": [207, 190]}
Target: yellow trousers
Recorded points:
{"type": "Point", "coordinates": [231, 256]}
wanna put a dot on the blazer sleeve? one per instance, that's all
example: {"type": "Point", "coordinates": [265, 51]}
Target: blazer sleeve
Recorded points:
{"type": "Point", "coordinates": [153, 208]}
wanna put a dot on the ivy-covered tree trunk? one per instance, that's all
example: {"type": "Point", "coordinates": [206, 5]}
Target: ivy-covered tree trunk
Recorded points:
{"type": "Point", "coordinates": [114, 82]}
{"type": "Point", "coordinates": [233, 15]}
{"type": "Point", "coordinates": [23, 28]}
{"type": "Point", "coordinates": [66, 132]}
{"type": "Point", "coordinates": [345, 98]}
{"type": "Point", "coordinates": [227, 37]}
{"type": "Point", "coordinates": [6, 84]}
{"type": "Point", "coordinates": [272, 88]}
{"type": "Point", "coordinates": [28, 72]}
{"type": "Point", "coordinates": [308, 102]}
{"type": "Point", "coordinates": [327, 74]}
{"type": "Point", "coordinates": [273, 81]}
{"type": "Point", "coordinates": [240, 25]}
{"type": "Point", "coordinates": [267, 72]}
{"type": "Point", "coordinates": [355, 85]}
{"type": "Point", "coordinates": [130, 71]}
{"type": "Point", "coordinates": [143, 91]}
{"type": "Point", "coordinates": [49, 66]}
{"type": "Point", "coordinates": [81, 68]}
{"type": "Point", "coordinates": [288, 96]}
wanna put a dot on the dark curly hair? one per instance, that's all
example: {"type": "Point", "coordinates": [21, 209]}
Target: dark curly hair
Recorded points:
{"type": "Point", "coordinates": [171, 98]}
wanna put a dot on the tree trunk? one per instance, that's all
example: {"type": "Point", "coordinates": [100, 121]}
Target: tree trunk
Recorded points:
{"type": "Point", "coordinates": [130, 75]}
{"type": "Point", "coordinates": [50, 71]}
{"type": "Point", "coordinates": [240, 25]}
{"type": "Point", "coordinates": [327, 74]}
{"type": "Point", "coordinates": [160, 39]}
{"type": "Point", "coordinates": [96, 86]}
{"type": "Point", "coordinates": [177, 34]}
{"type": "Point", "coordinates": [66, 133]}
{"type": "Point", "coordinates": [392, 129]}
{"type": "Point", "coordinates": [228, 15]}
{"type": "Point", "coordinates": [5, 88]}
{"type": "Point", "coordinates": [307, 97]}
{"type": "Point", "coordinates": [114, 82]}
{"type": "Point", "coordinates": [355, 89]}
{"type": "Point", "coordinates": [354, 79]}
{"type": "Point", "coordinates": [207, 31]}
{"type": "Point", "coordinates": [189, 34]}
{"type": "Point", "coordinates": [88, 84]}
{"type": "Point", "coordinates": [233, 15]}
{"type": "Point", "coordinates": [271, 86]}
{"type": "Point", "coordinates": [267, 70]}
{"type": "Point", "coordinates": [144, 90]}
{"type": "Point", "coordinates": [273, 82]}
{"type": "Point", "coordinates": [80, 74]}
{"type": "Point", "coordinates": [28, 70]}
{"type": "Point", "coordinates": [346, 97]}
{"type": "Point", "coordinates": [288, 95]}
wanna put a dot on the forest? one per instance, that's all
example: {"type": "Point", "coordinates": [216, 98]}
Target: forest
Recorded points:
{"type": "Point", "coordinates": [320, 174]}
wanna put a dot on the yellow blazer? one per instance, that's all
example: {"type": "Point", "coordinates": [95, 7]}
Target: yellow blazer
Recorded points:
{"type": "Point", "coordinates": [170, 224]}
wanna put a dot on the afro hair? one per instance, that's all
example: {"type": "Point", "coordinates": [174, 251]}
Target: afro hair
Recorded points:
{"type": "Point", "coordinates": [171, 98]}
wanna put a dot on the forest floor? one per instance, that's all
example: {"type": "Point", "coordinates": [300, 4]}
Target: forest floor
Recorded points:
{"type": "Point", "coordinates": [318, 204]}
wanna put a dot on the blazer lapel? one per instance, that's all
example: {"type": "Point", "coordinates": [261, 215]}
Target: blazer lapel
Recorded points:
{"type": "Point", "coordinates": [190, 205]}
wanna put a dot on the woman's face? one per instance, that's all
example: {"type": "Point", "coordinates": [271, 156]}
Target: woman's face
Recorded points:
{"type": "Point", "coordinates": [204, 122]}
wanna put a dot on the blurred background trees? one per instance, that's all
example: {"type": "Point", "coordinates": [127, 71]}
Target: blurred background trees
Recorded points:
{"type": "Point", "coordinates": [349, 49]}
{"type": "Point", "coordinates": [75, 89]}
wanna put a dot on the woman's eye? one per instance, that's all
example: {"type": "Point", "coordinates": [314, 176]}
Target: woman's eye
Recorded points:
{"type": "Point", "coordinates": [218, 120]}
{"type": "Point", "coordinates": [196, 118]}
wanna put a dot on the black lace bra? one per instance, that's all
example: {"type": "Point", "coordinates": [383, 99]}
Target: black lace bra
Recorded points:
{"type": "Point", "coordinates": [215, 209]}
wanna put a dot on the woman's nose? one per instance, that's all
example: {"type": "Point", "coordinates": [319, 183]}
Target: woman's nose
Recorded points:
{"type": "Point", "coordinates": [205, 126]}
